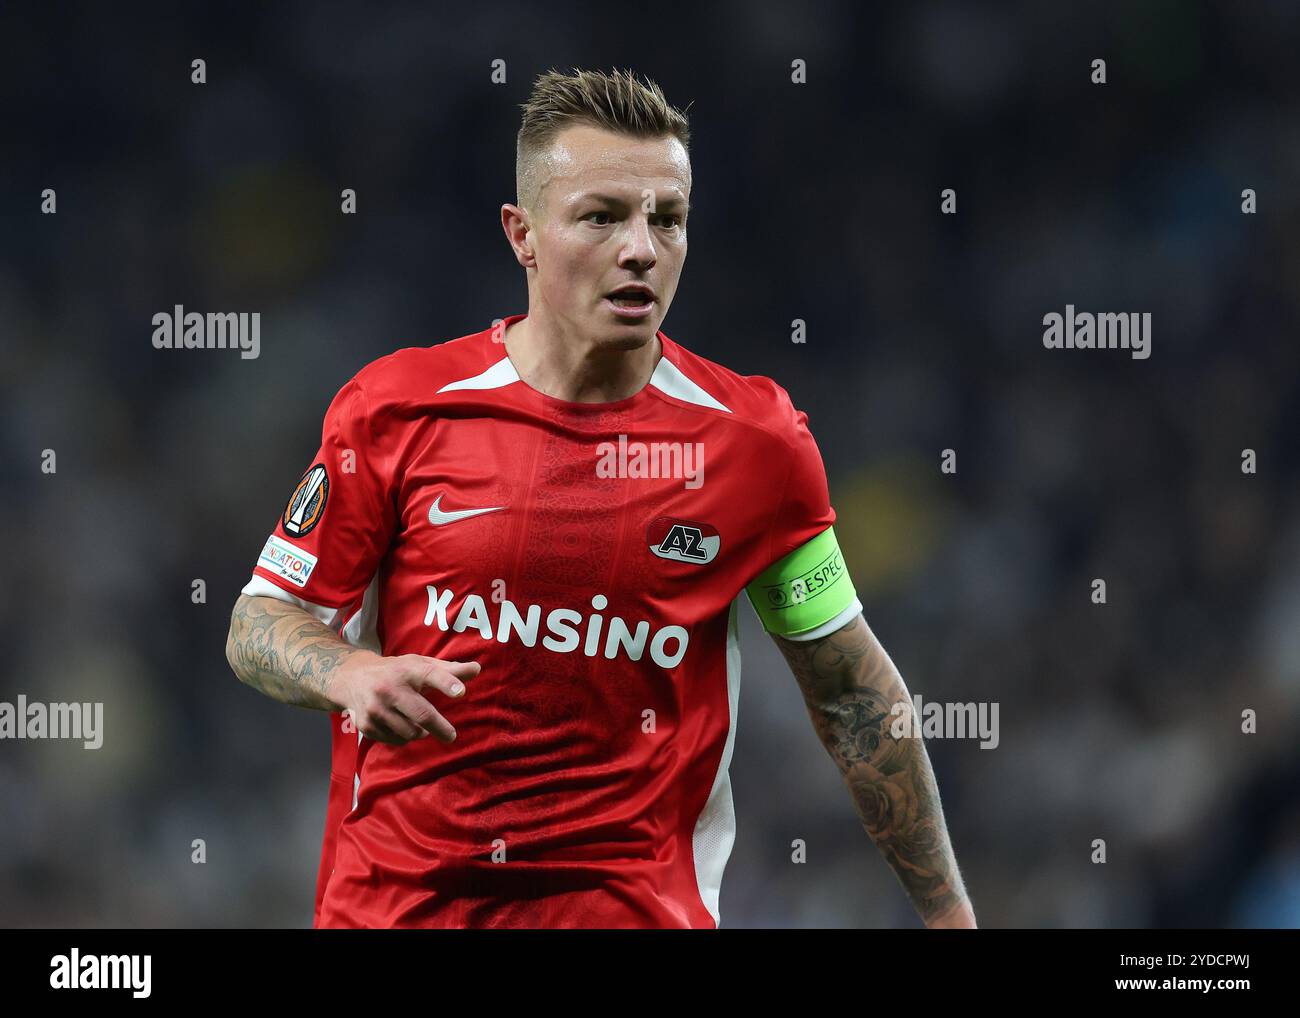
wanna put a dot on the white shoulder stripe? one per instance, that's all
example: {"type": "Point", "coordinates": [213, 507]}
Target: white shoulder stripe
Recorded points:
{"type": "Point", "coordinates": [669, 380]}
{"type": "Point", "coordinates": [501, 373]}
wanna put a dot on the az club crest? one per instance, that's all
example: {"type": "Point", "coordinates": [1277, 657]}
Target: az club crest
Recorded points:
{"type": "Point", "coordinates": [683, 540]}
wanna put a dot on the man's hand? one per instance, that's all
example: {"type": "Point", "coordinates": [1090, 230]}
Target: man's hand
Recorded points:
{"type": "Point", "coordinates": [281, 650]}
{"type": "Point", "coordinates": [385, 695]}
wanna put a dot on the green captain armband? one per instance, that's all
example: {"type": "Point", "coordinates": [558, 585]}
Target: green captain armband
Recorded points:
{"type": "Point", "coordinates": [807, 594]}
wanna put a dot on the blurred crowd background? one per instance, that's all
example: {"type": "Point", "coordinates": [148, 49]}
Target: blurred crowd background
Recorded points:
{"type": "Point", "coordinates": [819, 202]}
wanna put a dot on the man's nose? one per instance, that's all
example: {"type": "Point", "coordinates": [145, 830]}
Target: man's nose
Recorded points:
{"type": "Point", "coordinates": [638, 244]}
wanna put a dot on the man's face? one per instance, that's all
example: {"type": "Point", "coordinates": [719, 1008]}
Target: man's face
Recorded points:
{"type": "Point", "coordinates": [613, 212]}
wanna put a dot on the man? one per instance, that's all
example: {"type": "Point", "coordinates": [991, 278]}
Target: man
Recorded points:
{"type": "Point", "coordinates": [530, 543]}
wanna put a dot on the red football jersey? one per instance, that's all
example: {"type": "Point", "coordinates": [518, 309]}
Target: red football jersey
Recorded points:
{"type": "Point", "coordinates": [591, 558]}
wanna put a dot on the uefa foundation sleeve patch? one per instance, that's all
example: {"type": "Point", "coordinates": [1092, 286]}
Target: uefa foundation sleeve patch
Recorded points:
{"type": "Point", "coordinates": [287, 561]}
{"type": "Point", "coordinates": [808, 588]}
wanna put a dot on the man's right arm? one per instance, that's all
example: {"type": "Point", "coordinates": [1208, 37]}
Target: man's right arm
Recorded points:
{"type": "Point", "coordinates": [281, 650]}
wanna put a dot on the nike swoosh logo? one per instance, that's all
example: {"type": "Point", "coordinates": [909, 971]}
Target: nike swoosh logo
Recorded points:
{"type": "Point", "coordinates": [439, 518]}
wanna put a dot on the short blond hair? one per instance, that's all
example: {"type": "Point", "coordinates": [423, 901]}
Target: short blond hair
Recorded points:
{"type": "Point", "coordinates": [616, 102]}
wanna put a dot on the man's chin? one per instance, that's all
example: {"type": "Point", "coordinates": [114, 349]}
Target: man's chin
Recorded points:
{"type": "Point", "coordinates": [627, 334]}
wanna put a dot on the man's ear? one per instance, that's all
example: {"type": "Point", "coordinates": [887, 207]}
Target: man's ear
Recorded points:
{"type": "Point", "coordinates": [517, 224]}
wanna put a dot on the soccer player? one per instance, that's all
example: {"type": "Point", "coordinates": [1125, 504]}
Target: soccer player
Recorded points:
{"type": "Point", "coordinates": [512, 574]}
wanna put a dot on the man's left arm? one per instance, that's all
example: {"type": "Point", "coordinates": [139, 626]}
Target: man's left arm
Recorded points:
{"type": "Point", "coordinates": [850, 687]}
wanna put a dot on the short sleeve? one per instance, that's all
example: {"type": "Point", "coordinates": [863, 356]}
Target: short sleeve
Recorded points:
{"type": "Point", "coordinates": [339, 520]}
{"type": "Point", "coordinates": [805, 506]}
{"type": "Point", "coordinates": [804, 590]}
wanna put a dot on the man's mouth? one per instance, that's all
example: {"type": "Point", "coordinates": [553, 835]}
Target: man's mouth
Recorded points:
{"type": "Point", "coordinates": [631, 296]}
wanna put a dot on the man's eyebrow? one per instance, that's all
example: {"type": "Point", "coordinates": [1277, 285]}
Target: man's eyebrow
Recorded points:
{"type": "Point", "coordinates": [671, 202]}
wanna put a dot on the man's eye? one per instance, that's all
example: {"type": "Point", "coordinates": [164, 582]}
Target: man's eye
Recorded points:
{"type": "Point", "coordinates": [671, 220]}
{"type": "Point", "coordinates": [590, 214]}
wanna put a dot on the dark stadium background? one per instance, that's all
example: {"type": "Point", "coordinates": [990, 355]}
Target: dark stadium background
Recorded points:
{"type": "Point", "coordinates": [816, 201]}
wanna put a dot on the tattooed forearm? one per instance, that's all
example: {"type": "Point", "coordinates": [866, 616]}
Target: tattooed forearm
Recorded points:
{"type": "Point", "coordinates": [850, 687]}
{"type": "Point", "coordinates": [280, 650]}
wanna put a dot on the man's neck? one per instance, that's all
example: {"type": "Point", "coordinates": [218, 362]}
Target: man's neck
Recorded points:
{"type": "Point", "coordinates": [577, 372]}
